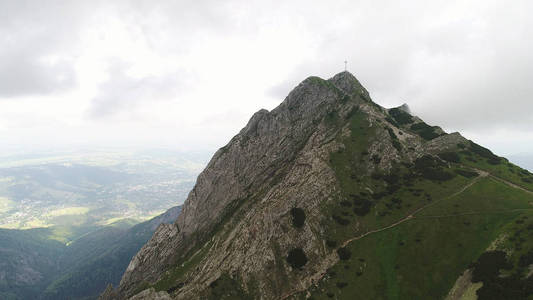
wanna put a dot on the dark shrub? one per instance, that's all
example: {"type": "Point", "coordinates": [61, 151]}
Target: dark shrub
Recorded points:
{"type": "Point", "coordinates": [426, 162]}
{"type": "Point", "coordinates": [362, 207]}
{"type": "Point", "coordinates": [466, 173]}
{"type": "Point", "coordinates": [488, 266]}
{"type": "Point", "coordinates": [400, 116]}
{"type": "Point", "coordinates": [346, 203]}
{"type": "Point", "coordinates": [424, 130]}
{"type": "Point", "coordinates": [341, 284]}
{"type": "Point", "coordinates": [331, 243]}
{"type": "Point", "coordinates": [450, 157]}
{"type": "Point", "coordinates": [396, 200]}
{"type": "Point", "coordinates": [526, 259]}
{"type": "Point", "coordinates": [494, 161]}
{"type": "Point", "coordinates": [420, 126]}
{"type": "Point", "coordinates": [391, 133]}
{"type": "Point", "coordinates": [431, 168]}
{"type": "Point", "coordinates": [376, 176]}
{"type": "Point", "coordinates": [437, 175]}
{"type": "Point", "coordinates": [298, 217]}
{"type": "Point", "coordinates": [297, 258]}
{"type": "Point", "coordinates": [340, 220]}
{"type": "Point", "coordinates": [483, 152]}
{"type": "Point", "coordinates": [397, 145]}
{"type": "Point", "coordinates": [388, 119]}
{"type": "Point", "coordinates": [391, 178]}
{"type": "Point", "coordinates": [428, 134]}
{"type": "Point", "coordinates": [376, 159]}
{"type": "Point", "coordinates": [392, 188]}
{"type": "Point", "coordinates": [344, 253]}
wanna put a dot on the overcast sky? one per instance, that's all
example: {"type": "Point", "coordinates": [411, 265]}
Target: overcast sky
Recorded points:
{"type": "Point", "coordinates": [189, 74]}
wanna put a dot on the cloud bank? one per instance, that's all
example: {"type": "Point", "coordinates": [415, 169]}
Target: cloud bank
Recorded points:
{"type": "Point", "coordinates": [190, 73]}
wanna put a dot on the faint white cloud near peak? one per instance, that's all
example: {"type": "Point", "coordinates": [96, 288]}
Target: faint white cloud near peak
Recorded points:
{"type": "Point", "coordinates": [123, 93]}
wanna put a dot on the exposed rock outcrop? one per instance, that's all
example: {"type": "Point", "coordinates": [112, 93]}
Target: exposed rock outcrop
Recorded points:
{"type": "Point", "coordinates": [237, 219]}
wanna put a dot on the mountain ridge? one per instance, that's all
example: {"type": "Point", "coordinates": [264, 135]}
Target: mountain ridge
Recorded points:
{"type": "Point", "coordinates": [268, 215]}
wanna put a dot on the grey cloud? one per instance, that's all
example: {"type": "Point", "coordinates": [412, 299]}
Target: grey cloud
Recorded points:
{"type": "Point", "coordinates": [37, 44]}
{"type": "Point", "coordinates": [123, 93]}
{"type": "Point", "coordinates": [25, 74]}
{"type": "Point", "coordinates": [466, 67]}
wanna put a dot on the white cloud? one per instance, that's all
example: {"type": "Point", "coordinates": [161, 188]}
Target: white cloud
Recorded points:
{"type": "Point", "coordinates": [190, 73]}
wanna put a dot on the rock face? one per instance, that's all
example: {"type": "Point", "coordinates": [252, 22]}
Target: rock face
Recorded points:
{"type": "Point", "coordinates": [241, 219]}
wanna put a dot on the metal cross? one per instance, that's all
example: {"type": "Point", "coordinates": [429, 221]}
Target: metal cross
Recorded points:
{"type": "Point", "coordinates": [345, 65]}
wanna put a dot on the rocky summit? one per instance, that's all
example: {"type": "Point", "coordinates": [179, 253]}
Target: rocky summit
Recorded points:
{"type": "Point", "coordinates": [331, 196]}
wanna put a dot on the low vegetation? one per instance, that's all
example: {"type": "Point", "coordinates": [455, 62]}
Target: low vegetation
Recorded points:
{"type": "Point", "coordinates": [298, 217]}
{"type": "Point", "coordinates": [297, 258]}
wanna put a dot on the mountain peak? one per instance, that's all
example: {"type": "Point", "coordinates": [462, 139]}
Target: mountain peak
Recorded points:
{"type": "Point", "coordinates": [280, 209]}
{"type": "Point", "coordinates": [405, 108]}
{"type": "Point", "coordinates": [347, 82]}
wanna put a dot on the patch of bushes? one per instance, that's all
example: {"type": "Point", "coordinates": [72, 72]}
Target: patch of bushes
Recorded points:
{"type": "Point", "coordinates": [427, 161]}
{"type": "Point", "coordinates": [376, 159]}
{"type": "Point", "coordinates": [391, 133]}
{"type": "Point", "coordinates": [297, 258]}
{"type": "Point", "coordinates": [526, 180]}
{"type": "Point", "coordinates": [487, 270]}
{"type": "Point", "coordinates": [346, 203]}
{"type": "Point", "coordinates": [362, 205]}
{"type": "Point", "coordinates": [452, 157]}
{"type": "Point", "coordinates": [428, 134]}
{"type": "Point", "coordinates": [397, 145]}
{"type": "Point", "coordinates": [393, 123]}
{"type": "Point", "coordinates": [395, 142]}
{"type": "Point", "coordinates": [488, 266]}
{"type": "Point", "coordinates": [298, 217]}
{"type": "Point", "coordinates": [226, 287]}
{"type": "Point", "coordinates": [484, 152]}
{"type": "Point", "coordinates": [342, 284]}
{"type": "Point", "coordinates": [340, 220]}
{"type": "Point", "coordinates": [431, 169]}
{"type": "Point", "coordinates": [392, 178]}
{"type": "Point", "coordinates": [344, 253]}
{"type": "Point", "coordinates": [526, 259]}
{"type": "Point", "coordinates": [331, 243]}
{"type": "Point", "coordinates": [466, 173]}
{"type": "Point", "coordinates": [425, 131]}
{"type": "Point", "coordinates": [400, 116]}
{"type": "Point", "coordinates": [420, 126]}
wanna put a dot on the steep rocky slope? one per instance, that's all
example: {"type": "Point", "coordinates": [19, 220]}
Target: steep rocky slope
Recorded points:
{"type": "Point", "coordinates": [290, 202]}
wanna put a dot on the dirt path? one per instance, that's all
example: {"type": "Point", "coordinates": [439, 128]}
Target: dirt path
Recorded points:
{"type": "Point", "coordinates": [482, 174]}
{"type": "Point", "coordinates": [404, 219]}
{"type": "Point", "coordinates": [476, 213]}
{"type": "Point", "coordinates": [511, 184]}
{"type": "Point", "coordinates": [412, 215]}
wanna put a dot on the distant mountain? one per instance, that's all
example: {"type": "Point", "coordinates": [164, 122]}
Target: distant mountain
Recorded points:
{"type": "Point", "coordinates": [331, 196]}
{"type": "Point", "coordinates": [33, 266]}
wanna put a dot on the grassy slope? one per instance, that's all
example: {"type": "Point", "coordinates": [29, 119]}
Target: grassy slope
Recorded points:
{"type": "Point", "coordinates": [422, 257]}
